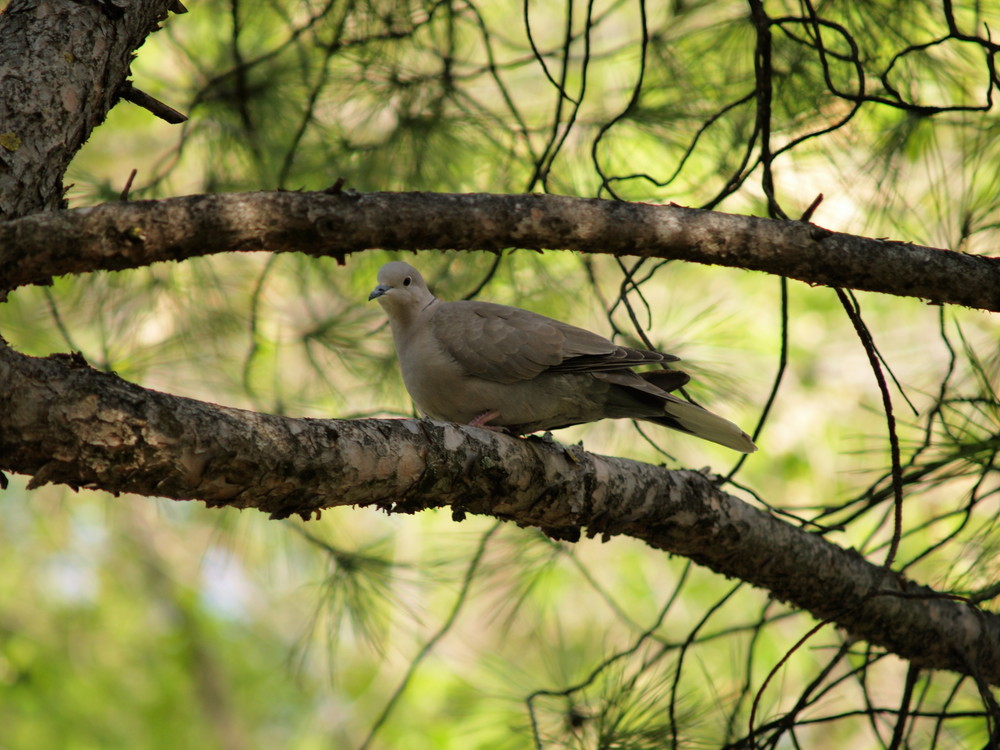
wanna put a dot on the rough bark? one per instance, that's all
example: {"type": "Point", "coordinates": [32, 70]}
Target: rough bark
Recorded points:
{"type": "Point", "coordinates": [128, 235]}
{"type": "Point", "coordinates": [66, 422]}
{"type": "Point", "coordinates": [62, 65]}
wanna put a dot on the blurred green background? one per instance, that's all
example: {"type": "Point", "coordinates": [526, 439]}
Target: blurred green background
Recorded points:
{"type": "Point", "coordinates": [135, 622]}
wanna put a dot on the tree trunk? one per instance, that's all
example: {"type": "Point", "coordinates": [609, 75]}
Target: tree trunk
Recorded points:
{"type": "Point", "coordinates": [62, 65]}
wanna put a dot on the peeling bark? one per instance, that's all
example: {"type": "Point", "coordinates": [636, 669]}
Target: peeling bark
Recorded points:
{"type": "Point", "coordinates": [66, 422]}
{"type": "Point", "coordinates": [128, 235]}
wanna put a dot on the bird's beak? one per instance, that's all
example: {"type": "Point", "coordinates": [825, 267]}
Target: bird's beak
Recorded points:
{"type": "Point", "coordinates": [378, 291]}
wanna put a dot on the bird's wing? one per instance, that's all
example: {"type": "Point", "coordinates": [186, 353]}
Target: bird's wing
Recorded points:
{"type": "Point", "coordinates": [506, 344]}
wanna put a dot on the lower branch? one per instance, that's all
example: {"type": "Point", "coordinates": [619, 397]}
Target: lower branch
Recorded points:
{"type": "Point", "coordinates": [66, 422]}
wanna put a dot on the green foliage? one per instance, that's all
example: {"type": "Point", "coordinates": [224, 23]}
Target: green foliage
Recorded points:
{"type": "Point", "coordinates": [135, 623]}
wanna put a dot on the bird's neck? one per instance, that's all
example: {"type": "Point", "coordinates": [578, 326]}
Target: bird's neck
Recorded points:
{"type": "Point", "coordinates": [402, 321]}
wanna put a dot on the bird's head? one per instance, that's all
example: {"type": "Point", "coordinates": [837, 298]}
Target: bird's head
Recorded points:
{"type": "Point", "coordinates": [401, 290]}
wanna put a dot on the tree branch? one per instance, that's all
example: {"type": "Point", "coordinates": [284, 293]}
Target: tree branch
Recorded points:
{"type": "Point", "coordinates": [116, 236]}
{"type": "Point", "coordinates": [66, 422]}
{"type": "Point", "coordinates": [165, 112]}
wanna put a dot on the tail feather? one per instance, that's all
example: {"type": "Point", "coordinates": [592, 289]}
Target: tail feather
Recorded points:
{"type": "Point", "coordinates": [645, 396]}
{"type": "Point", "coordinates": [697, 421]}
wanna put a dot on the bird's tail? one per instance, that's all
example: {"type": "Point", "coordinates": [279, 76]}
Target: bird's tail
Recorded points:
{"type": "Point", "coordinates": [697, 421]}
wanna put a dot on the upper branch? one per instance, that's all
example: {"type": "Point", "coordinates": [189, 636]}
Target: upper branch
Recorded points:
{"type": "Point", "coordinates": [116, 236]}
{"type": "Point", "coordinates": [66, 422]}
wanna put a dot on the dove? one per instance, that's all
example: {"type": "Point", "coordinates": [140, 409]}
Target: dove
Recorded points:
{"type": "Point", "coordinates": [500, 367]}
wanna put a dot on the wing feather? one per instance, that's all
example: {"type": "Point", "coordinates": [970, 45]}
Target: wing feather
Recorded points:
{"type": "Point", "coordinates": [506, 344]}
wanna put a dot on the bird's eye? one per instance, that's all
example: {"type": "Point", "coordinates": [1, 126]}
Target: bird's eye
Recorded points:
{"type": "Point", "coordinates": [406, 281]}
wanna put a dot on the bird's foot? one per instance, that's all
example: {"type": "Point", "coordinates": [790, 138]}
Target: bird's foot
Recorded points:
{"type": "Point", "coordinates": [482, 419]}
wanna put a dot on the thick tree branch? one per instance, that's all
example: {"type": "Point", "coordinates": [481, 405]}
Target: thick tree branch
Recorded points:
{"type": "Point", "coordinates": [36, 248]}
{"type": "Point", "coordinates": [66, 422]}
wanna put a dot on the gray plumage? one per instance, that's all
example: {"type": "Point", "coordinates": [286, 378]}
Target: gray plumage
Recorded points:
{"type": "Point", "coordinates": [497, 366]}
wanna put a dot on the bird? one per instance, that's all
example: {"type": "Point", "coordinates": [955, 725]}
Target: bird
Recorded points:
{"type": "Point", "coordinates": [503, 368]}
